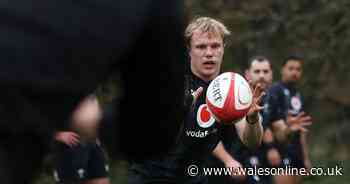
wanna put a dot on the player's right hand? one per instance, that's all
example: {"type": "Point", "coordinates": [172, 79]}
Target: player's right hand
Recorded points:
{"type": "Point", "coordinates": [69, 138]}
{"type": "Point", "coordinates": [236, 170]}
{"type": "Point", "coordinates": [299, 122]}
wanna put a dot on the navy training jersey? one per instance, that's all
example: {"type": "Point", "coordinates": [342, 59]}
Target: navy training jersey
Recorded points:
{"type": "Point", "coordinates": [199, 135]}
{"type": "Point", "coordinates": [280, 100]}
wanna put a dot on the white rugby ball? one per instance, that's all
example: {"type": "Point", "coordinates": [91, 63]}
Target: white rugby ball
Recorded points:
{"type": "Point", "coordinates": [229, 97]}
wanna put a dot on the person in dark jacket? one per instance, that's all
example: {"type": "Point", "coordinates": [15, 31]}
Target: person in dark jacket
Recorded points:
{"type": "Point", "coordinates": [53, 53]}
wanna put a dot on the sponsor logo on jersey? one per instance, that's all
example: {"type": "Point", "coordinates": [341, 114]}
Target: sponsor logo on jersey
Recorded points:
{"type": "Point", "coordinates": [295, 103]}
{"type": "Point", "coordinates": [198, 133]}
{"type": "Point", "coordinates": [204, 117]}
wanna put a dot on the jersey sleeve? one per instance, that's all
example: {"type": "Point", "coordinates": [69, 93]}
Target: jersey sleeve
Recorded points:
{"type": "Point", "coordinates": [188, 98]}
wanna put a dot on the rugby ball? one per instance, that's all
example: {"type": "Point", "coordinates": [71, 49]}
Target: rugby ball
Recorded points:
{"type": "Point", "coordinates": [229, 97]}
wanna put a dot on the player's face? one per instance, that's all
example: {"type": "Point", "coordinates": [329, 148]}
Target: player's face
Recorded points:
{"type": "Point", "coordinates": [206, 52]}
{"type": "Point", "coordinates": [292, 71]}
{"type": "Point", "coordinates": [260, 72]}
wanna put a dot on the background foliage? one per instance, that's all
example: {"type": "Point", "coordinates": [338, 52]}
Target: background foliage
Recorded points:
{"type": "Point", "coordinates": [319, 30]}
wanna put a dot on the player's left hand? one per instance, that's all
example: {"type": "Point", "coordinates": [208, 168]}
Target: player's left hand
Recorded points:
{"type": "Point", "coordinates": [258, 93]}
{"type": "Point", "coordinates": [299, 122]}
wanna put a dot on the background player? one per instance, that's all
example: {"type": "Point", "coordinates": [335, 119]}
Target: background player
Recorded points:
{"type": "Point", "coordinates": [288, 121]}
{"type": "Point", "coordinates": [79, 156]}
{"type": "Point", "coordinates": [260, 71]}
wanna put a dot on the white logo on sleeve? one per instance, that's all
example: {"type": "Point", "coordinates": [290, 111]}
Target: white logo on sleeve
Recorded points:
{"type": "Point", "coordinates": [55, 176]}
{"type": "Point", "coordinates": [286, 161]}
{"type": "Point", "coordinates": [81, 173]}
{"type": "Point", "coordinates": [254, 161]}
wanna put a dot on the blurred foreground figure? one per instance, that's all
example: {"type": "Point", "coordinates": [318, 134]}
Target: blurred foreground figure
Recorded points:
{"type": "Point", "coordinates": [79, 155]}
{"type": "Point", "coordinates": [53, 53]}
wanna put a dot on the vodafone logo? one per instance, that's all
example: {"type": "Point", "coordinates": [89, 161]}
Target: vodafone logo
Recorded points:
{"type": "Point", "coordinates": [204, 117]}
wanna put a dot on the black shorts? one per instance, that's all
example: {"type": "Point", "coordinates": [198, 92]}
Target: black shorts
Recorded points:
{"type": "Point", "coordinates": [82, 162]}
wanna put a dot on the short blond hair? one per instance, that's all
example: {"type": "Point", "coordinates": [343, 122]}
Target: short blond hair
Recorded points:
{"type": "Point", "coordinates": [206, 25]}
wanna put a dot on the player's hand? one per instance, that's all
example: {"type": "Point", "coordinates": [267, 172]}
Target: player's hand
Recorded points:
{"type": "Point", "coordinates": [69, 138]}
{"type": "Point", "coordinates": [253, 113]}
{"type": "Point", "coordinates": [274, 157]}
{"type": "Point", "coordinates": [299, 122]}
{"type": "Point", "coordinates": [236, 169]}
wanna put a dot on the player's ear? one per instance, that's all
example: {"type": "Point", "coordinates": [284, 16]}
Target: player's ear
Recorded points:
{"type": "Point", "coordinates": [246, 75]}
